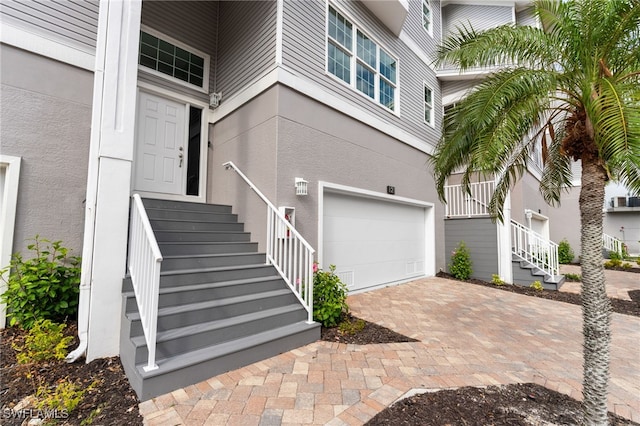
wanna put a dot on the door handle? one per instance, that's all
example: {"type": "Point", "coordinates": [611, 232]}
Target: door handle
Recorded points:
{"type": "Point", "coordinates": [180, 156]}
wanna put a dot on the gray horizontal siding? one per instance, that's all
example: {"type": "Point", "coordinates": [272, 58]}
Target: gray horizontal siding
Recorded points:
{"type": "Point", "coordinates": [304, 51]}
{"type": "Point", "coordinates": [480, 237]}
{"type": "Point", "coordinates": [526, 17]}
{"type": "Point", "coordinates": [246, 44]}
{"type": "Point", "coordinates": [480, 17]}
{"type": "Point", "coordinates": [414, 29]}
{"type": "Point", "coordinates": [194, 23]}
{"type": "Point", "coordinates": [71, 22]}
{"type": "Point", "coordinates": [453, 86]}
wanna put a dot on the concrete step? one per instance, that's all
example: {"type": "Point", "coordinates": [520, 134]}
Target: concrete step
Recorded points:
{"type": "Point", "coordinates": [200, 236]}
{"type": "Point", "coordinates": [175, 262]}
{"type": "Point", "coordinates": [186, 294]}
{"type": "Point", "coordinates": [151, 203]}
{"type": "Point", "coordinates": [207, 247]}
{"type": "Point", "coordinates": [181, 340]}
{"type": "Point", "coordinates": [193, 367]}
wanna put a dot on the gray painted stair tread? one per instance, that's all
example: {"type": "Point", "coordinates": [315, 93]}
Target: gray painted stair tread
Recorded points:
{"type": "Point", "coordinates": [213, 269]}
{"type": "Point", "coordinates": [214, 351]}
{"type": "Point", "coordinates": [170, 310]}
{"type": "Point", "coordinates": [164, 336]}
{"type": "Point", "coordinates": [206, 255]}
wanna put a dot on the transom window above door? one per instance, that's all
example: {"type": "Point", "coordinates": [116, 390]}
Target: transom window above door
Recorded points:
{"type": "Point", "coordinates": [167, 57]}
{"type": "Point", "coordinates": [356, 59]}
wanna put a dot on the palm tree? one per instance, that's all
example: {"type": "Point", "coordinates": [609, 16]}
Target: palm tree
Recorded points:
{"type": "Point", "coordinates": [573, 86]}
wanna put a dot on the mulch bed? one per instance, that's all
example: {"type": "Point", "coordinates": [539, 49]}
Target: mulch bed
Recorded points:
{"type": "Point", "coordinates": [507, 405]}
{"type": "Point", "coordinates": [619, 306]}
{"type": "Point", "coordinates": [111, 401]}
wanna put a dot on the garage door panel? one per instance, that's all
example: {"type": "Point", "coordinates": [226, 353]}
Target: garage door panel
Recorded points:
{"type": "Point", "coordinates": [373, 242]}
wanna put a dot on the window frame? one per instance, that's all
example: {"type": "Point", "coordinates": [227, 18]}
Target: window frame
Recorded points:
{"type": "Point", "coordinates": [355, 60]}
{"type": "Point", "coordinates": [428, 5]}
{"type": "Point", "coordinates": [425, 104]}
{"type": "Point", "coordinates": [190, 49]}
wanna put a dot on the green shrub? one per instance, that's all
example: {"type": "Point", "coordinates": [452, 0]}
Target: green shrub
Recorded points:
{"type": "Point", "coordinates": [65, 396]}
{"type": "Point", "coordinates": [495, 279]}
{"type": "Point", "coordinates": [537, 286]}
{"type": "Point", "coordinates": [565, 252]}
{"type": "Point", "coordinates": [613, 263]}
{"type": "Point", "coordinates": [627, 266]}
{"type": "Point", "coordinates": [351, 328]}
{"type": "Point", "coordinates": [45, 286]}
{"type": "Point", "coordinates": [461, 265]}
{"type": "Point", "coordinates": [44, 341]}
{"type": "Point", "coordinates": [573, 277]}
{"type": "Point", "coordinates": [329, 297]}
{"type": "Point", "coordinates": [638, 261]}
{"type": "Point", "coordinates": [614, 255]}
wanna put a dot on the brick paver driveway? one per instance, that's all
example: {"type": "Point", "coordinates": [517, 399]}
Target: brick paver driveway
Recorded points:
{"type": "Point", "coordinates": [469, 335]}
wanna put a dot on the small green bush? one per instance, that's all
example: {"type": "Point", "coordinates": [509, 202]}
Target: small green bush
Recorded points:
{"type": "Point", "coordinates": [565, 252]}
{"type": "Point", "coordinates": [614, 255]}
{"type": "Point", "coordinates": [537, 286]}
{"type": "Point", "coordinates": [461, 266]}
{"type": "Point", "coordinates": [495, 279]}
{"type": "Point", "coordinates": [627, 265]}
{"type": "Point", "coordinates": [638, 261]}
{"type": "Point", "coordinates": [573, 277]}
{"type": "Point", "coordinates": [65, 396]}
{"type": "Point", "coordinates": [43, 287]}
{"type": "Point", "coordinates": [44, 341]}
{"type": "Point", "coordinates": [351, 328]}
{"type": "Point", "coordinates": [329, 297]}
{"type": "Point", "coordinates": [613, 263]}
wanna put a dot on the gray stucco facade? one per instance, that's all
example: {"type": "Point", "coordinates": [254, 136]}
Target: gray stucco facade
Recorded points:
{"type": "Point", "coordinates": [45, 119]}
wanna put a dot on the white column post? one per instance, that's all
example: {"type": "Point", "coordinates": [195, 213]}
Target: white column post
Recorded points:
{"type": "Point", "coordinates": [109, 177]}
{"type": "Point", "coordinates": [505, 269]}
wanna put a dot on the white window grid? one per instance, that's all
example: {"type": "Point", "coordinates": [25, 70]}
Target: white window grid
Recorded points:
{"type": "Point", "coordinates": [428, 104]}
{"type": "Point", "coordinates": [427, 17]}
{"type": "Point", "coordinates": [365, 55]}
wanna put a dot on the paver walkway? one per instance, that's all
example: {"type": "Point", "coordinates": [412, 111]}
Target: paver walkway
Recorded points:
{"type": "Point", "coordinates": [618, 283]}
{"type": "Point", "coordinates": [469, 335]}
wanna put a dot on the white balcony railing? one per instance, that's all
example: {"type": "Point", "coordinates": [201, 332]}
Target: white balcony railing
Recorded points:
{"type": "Point", "coordinates": [534, 248]}
{"type": "Point", "coordinates": [144, 269]}
{"type": "Point", "coordinates": [464, 204]}
{"type": "Point", "coordinates": [287, 250]}
{"type": "Point", "coordinates": [611, 243]}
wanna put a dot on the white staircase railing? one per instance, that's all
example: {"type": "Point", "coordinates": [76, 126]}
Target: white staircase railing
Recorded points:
{"type": "Point", "coordinates": [463, 204]}
{"type": "Point", "coordinates": [612, 243]}
{"type": "Point", "coordinates": [287, 250]}
{"type": "Point", "coordinates": [144, 268]}
{"type": "Point", "coordinates": [534, 248]}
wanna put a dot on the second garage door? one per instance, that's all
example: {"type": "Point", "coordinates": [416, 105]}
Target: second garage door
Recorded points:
{"type": "Point", "coordinates": [372, 242]}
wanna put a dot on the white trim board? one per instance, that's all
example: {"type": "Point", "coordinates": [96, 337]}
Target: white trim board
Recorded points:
{"type": "Point", "coordinates": [289, 78]}
{"type": "Point", "coordinates": [9, 179]}
{"type": "Point", "coordinates": [36, 43]}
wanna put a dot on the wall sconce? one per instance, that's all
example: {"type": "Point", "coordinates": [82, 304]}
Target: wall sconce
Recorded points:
{"type": "Point", "coordinates": [301, 186]}
{"type": "Point", "coordinates": [214, 99]}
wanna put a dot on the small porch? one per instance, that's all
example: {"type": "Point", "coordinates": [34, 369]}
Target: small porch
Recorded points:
{"type": "Point", "coordinates": [514, 251]}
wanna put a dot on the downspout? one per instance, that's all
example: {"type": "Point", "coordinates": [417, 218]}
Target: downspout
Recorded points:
{"type": "Point", "coordinates": [92, 187]}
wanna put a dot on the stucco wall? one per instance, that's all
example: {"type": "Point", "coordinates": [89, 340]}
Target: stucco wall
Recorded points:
{"type": "Point", "coordinates": [45, 115]}
{"type": "Point", "coordinates": [316, 143]}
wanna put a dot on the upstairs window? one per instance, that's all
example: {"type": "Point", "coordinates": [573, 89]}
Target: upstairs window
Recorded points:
{"type": "Point", "coordinates": [169, 59]}
{"type": "Point", "coordinates": [356, 59]}
{"type": "Point", "coordinates": [427, 17]}
{"type": "Point", "coordinates": [428, 105]}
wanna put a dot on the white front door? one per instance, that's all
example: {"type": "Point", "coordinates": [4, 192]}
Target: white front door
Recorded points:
{"type": "Point", "coordinates": [161, 145]}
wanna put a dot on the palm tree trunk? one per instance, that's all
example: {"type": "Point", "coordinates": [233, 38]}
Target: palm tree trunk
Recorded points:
{"type": "Point", "coordinates": [596, 307]}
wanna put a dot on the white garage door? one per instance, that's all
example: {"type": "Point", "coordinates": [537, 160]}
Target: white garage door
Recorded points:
{"type": "Point", "coordinates": [372, 242]}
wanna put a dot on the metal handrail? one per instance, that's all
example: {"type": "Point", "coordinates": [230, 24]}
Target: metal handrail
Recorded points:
{"type": "Point", "coordinates": [287, 250]}
{"type": "Point", "coordinates": [144, 268]}
{"type": "Point", "coordinates": [532, 247]}
{"type": "Point", "coordinates": [463, 204]}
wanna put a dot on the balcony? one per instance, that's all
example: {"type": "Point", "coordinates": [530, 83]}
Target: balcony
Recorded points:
{"type": "Point", "coordinates": [623, 205]}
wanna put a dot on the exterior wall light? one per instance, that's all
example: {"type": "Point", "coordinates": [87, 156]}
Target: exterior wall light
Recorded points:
{"type": "Point", "coordinates": [301, 186]}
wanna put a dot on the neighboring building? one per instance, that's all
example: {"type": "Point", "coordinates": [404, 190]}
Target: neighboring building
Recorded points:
{"type": "Point", "coordinates": [340, 94]}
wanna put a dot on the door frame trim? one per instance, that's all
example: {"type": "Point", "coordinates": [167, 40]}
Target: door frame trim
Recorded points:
{"type": "Point", "coordinates": [429, 225]}
{"type": "Point", "coordinates": [204, 138]}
